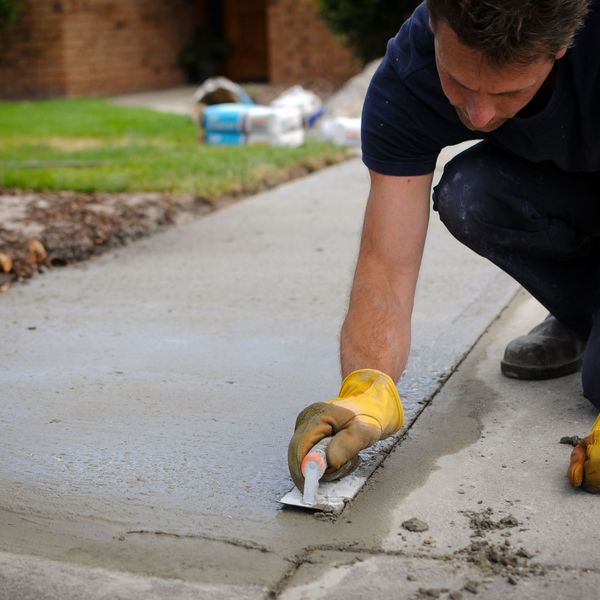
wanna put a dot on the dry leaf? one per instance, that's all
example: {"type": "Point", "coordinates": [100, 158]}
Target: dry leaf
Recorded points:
{"type": "Point", "coordinates": [5, 262]}
{"type": "Point", "coordinates": [37, 252]}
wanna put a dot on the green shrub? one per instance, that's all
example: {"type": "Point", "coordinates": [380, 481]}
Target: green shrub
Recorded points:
{"type": "Point", "coordinates": [9, 11]}
{"type": "Point", "coordinates": [366, 25]}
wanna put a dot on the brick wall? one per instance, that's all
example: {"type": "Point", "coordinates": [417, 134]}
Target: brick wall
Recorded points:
{"type": "Point", "coordinates": [31, 63]}
{"type": "Point", "coordinates": [97, 47]}
{"type": "Point", "coordinates": [89, 47]}
{"type": "Point", "coordinates": [301, 46]}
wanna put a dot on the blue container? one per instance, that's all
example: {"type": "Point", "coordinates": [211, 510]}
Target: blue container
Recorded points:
{"type": "Point", "coordinates": [225, 117]}
{"type": "Point", "coordinates": [224, 138]}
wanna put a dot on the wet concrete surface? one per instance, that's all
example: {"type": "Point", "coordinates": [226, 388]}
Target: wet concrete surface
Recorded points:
{"type": "Point", "coordinates": [148, 397]}
{"type": "Point", "coordinates": [483, 467]}
{"type": "Point", "coordinates": [27, 578]}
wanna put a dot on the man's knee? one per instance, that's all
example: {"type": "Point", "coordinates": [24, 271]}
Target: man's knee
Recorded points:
{"type": "Point", "coordinates": [485, 202]}
{"type": "Point", "coordinates": [458, 198]}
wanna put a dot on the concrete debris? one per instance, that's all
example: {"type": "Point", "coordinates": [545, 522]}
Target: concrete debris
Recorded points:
{"type": "Point", "coordinates": [415, 525]}
{"type": "Point", "coordinates": [497, 558]}
{"type": "Point", "coordinates": [481, 522]}
{"type": "Point", "coordinates": [431, 592]}
{"type": "Point", "coordinates": [472, 586]}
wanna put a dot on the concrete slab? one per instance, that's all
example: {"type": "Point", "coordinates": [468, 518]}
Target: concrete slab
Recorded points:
{"type": "Point", "coordinates": [28, 578]}
{"type": "Point", "coordinates": [483, 467]}
{"type": "Point", "coordinates": [149, 395]}
{"type": "Point", "coordinates": [356, 576]}
{"type": "Point", "coordinates": [515, 467]}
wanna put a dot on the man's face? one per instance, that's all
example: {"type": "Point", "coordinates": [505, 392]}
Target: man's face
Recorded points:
{"type": "Point", "coordinates": [485, 96]}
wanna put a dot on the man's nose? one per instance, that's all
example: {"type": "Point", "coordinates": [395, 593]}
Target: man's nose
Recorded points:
{"type": "Point", "coordinates": [480, 111]}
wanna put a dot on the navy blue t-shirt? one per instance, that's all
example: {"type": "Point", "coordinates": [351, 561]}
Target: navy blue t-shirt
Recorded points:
{"type": "Point", "coordinates": [407, 119]}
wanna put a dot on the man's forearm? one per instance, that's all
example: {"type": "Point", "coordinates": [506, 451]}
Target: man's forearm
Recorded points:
{"type": "Point", "coordinates": [376, 331]}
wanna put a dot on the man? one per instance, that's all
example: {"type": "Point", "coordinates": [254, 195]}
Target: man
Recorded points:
{"type": "Point", "coordinates": [523, 76]}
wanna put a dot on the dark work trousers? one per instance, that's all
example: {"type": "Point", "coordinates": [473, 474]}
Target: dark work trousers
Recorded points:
{"type": "Point", "coordinates": [540, 225]}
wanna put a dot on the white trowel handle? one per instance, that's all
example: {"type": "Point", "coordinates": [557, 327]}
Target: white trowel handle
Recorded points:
{"type": "Point", "coordinates": [313, 466]}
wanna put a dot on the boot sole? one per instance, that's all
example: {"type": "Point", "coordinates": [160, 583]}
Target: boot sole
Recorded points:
{"type": "Point", "coordinates": [537, 373]}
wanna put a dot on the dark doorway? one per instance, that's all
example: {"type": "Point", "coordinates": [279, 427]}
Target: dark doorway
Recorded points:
{"type": "Point", "coordinates": [245, 27]}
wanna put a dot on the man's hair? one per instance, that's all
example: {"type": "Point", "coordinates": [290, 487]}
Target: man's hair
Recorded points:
{"type": "Point", "coordinates": [512, 31]}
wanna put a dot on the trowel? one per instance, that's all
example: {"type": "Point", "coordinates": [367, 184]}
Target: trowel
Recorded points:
{"type": "Point", "coordinates": [329, 496]}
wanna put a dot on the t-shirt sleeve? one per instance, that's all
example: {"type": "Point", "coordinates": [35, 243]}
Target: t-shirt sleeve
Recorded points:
{"type": "Point", "coordinates": [396, 126]}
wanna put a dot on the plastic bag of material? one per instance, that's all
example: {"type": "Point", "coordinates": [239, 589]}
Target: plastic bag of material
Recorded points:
{"type": "Point", "coordinates": [343, 131]}
{"type": "Point", "coordinates": [309, 104]}
{"type": "Point", "coordinates": [289, 139]}
{"type": "Point", "coordinates": [272, 120]}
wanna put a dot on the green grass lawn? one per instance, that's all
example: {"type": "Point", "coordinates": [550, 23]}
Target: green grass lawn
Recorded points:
{"type": "Point", "coordinates": [92, 145]}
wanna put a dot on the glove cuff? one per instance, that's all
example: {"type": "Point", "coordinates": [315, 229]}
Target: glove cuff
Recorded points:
{"type": "Point", "coordinates": [361, 380]}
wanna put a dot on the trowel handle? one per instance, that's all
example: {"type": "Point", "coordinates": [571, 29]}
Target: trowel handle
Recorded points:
{"type": "Point", "coordinates": [317, 454]}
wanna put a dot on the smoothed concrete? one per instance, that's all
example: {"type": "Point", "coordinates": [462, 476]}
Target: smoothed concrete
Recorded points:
{"type": "Point", "coordinates": [149, 395]}
{"type": "Point", "coordinates": [27, 578]}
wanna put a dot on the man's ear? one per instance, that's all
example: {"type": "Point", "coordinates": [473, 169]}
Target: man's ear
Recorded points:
{"type": "Point", "coordinates": [560, 53]}
{"type": "Point", "coordinates": [430, 24]}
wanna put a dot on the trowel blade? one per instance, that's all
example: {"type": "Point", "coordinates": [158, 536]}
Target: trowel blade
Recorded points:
{"type": "Point", "coordinates": [332, 496]}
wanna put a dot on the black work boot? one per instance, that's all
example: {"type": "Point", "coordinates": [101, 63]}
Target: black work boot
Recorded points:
{"type": "Point", "coordinates": [549, 350]}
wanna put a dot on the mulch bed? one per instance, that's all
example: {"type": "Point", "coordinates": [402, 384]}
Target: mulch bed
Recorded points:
{"type": "Point", "coordinates": [43, 230]}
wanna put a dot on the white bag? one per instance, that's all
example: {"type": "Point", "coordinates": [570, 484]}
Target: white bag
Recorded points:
{"type": "Point", "coordinates": [289, 139]}
{"type": "Point", "coordinates": [272, 120]}
{"type": "Point", "coordinates": [343, 131]}
{"type": "Point", "coordinates": [309, 104]}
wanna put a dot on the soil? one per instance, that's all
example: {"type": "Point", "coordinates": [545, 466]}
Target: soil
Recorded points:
{"type": "Point", "coordinates": [39, 231]}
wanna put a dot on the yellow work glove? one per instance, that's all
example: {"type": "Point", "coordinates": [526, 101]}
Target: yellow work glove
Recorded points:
{"type": "Point", "coordinates": [367, 409]}
{"type": "Point", "coordinates": [585, 462]}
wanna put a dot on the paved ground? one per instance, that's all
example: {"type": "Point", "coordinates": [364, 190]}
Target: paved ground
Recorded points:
{"type": "Point", "coordinates": [146, 413]}
{"type": "Point", "coordinates": [172, 100]}
{"type": "Point", "coordinates": [483, 468]}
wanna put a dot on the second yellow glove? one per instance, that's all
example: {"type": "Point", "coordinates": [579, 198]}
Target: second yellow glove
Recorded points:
{"type": "Point", "coordinates": [584, 470]}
